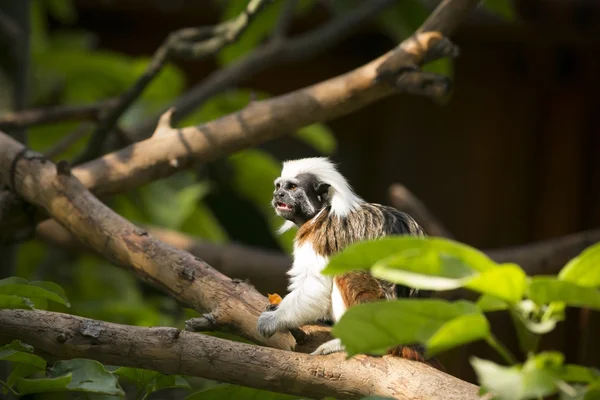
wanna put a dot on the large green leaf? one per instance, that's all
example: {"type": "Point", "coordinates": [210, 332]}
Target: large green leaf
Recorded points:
{"type": "Point", "coordinates": [234, 392]}
{"type": "Point", "coordinates": [538, 377]}
{"type": "Point", "coordinates": [365, 254]}
{"type": "Point", "coordinates": [506, 281]}
{"type": "Point", "coordinates": [41, 290]}
{"type": "Point", "coordinates": [545, 290]}
{"type": "Point", "coordinates": [17, 352]}
{"type": "Point", "coordinates": [10, 301]}
{"type": "Point", "coordinates": [438, 324]}
{"type": "Point", "coordinates": [80, 375]}
{"type": "Point", "coordinates": [584, 269]}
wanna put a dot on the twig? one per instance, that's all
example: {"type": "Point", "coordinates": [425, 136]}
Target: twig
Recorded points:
{"type": "Point", "coordinates": [173, 351]}
{"type": "Point", "coordinates": [196, 43]}
{"type": "Point", "coordinates": [41, 116]}
{"type": "Point", "coordinates": [69, 140]}
{"type": "Point", "coordinates": [404, 200]}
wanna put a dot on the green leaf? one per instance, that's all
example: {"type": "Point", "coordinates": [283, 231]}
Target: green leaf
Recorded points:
{"type": "Point", "coordinates": [514, 383]}
{"type": "Point", "coordinates": [18, 353]}
{"type": "Point", "coordinates": [506, 282]}
{"type": "Point", "coordinates": [363, 255]}
{"type": "Point", "coordinates": [80, 375]}
{"type": "Point", "coordinates": [62, 10]}
{"type": "Point", "coordinates": [438, 324]}
{"type": "Point", "coordinates": [318, 136]}
{"type": "Point", "coordinates": [502, 8]}
{"type": "Point", "coordinates": [21, 371]}
{"type": "Point", "coordinates": [234, 392]}
{"type": "Point", "coordinates": [31, 291]}
{"type": "Point", "coordinates": [544, 290]}
{"type": "Point", "coordinates": [15, 302]}
{"type": "Point", "coordinates": [167, 382]}
{"type": "Point", "coordinates": [54, 288]}
{"type": "Point", "coordinates": [584, 269]}
{"type": "Point", "coordinates": [487, 302]}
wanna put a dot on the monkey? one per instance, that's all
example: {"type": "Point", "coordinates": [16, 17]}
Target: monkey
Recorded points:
{"type": "Point", "coordinates": [314, 196]}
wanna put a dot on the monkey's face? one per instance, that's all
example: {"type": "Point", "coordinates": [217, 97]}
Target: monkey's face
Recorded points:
{"type": "Point", "coordinates": [300, 198]}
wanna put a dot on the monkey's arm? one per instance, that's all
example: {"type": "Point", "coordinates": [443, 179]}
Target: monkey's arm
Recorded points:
{"type": "Point", "coordinates": [307, 303]}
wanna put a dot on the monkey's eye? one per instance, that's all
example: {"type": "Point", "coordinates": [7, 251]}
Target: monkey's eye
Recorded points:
{"type": "Point", "coordinates": [277, 186]}
{"type": "Point", "coordinates": [292, 186]}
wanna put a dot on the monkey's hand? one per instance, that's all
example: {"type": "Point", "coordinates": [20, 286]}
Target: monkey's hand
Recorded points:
{"type": "Point", "coordinates": [268, 324]}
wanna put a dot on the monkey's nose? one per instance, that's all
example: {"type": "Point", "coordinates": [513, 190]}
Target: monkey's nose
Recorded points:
{"type": "Point", "coordinates": [280, 194]}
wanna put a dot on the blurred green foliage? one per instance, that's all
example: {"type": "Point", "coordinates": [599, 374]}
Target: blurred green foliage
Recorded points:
{"type": "Point", "coordinates": [69, 68]}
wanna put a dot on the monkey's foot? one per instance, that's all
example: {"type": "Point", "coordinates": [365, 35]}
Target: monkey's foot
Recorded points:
{"type": "Point", "coordinates": [333, 346]}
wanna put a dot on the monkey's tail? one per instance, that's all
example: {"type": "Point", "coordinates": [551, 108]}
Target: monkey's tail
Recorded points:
{"type": "Point", "coordinates": [415, 353]}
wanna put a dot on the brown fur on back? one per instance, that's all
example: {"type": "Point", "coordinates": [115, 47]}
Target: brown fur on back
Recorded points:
{"type": "Point", "coordinates": [329, 234]}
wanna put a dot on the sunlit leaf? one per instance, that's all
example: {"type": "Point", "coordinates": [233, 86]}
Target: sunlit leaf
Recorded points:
{"type": "Point", "coordinates": [506, 281]}
{"type": "Point", "coordinates": [234, 392]}
{"type": "Point", "coordinates": [487, 302]}
{"type": "Point", "coordinates": [363, 255]}
{"type": "Point", "coordinates": [80, 375]}
{"type": "Point", "coordinates": [584, 269]}
{"type": "Point", "coordinates": [544, 290]}
{"type": "Point", "coordinates": [438, 324]}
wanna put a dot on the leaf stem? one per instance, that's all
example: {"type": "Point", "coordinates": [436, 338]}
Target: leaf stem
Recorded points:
{"type": "Point", "coordinates": [9, 388]}
{"type": "Point", "coordinates": [500, 349]}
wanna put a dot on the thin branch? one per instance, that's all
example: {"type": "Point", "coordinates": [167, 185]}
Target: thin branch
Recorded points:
{"type": "Point", "coordinates": [403, 199]}
{"type": "Point", "coordinates": [173, 351]}
{"type": "Point", "coordinates": [41, 116]}
{"type": "Point", "coordinates": [69, 140]}
{"type": "Point", "coordinates": [196, 43]}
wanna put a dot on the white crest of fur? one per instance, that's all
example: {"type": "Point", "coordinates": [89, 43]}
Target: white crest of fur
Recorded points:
{"type": "Point", "coordinates": [343, 200]}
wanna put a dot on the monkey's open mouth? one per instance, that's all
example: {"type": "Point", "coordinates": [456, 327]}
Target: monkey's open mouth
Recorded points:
{"type": "Point", "coordinates": [283, 206]}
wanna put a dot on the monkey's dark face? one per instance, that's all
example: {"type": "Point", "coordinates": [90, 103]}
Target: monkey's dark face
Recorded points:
{"type": "Point", "coordinates": [300, 198]}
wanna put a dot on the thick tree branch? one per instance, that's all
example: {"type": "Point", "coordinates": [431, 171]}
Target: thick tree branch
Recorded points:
{"type": "Point", "coordinates": [265, 269]}
{"type": "Point", "coordinates": [403, 199]}
{"type": "Point", "coordinates": [196, 43]}
{"type": "Point", "coordinates": [165, 154]}
{"type": "Point", "coordinates": [172, 351]}
{"type": "Point", "coordinates": [233, 304]}
{"type": "Point", "coordinates": [41, 116]}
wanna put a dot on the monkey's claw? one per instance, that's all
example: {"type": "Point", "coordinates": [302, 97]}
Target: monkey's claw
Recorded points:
{"type": "Point", "coordinates": [267, 324]}
{"type": "Point", "coordinates": [333, 346]}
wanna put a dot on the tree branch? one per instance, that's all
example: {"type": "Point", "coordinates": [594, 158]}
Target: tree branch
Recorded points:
{"type": "Point", "coordinates": [196, 43]}
{"type": "Point", "coordinates": [172, 351]}
{"type": "Point", "coordinates": [188, 279]}
{"type": "Point", "coordinates": [403, 199]}
{"type": "Point", "coordinates": [41, 116]}
{"type": "Point", "coordinates": [275, 52]}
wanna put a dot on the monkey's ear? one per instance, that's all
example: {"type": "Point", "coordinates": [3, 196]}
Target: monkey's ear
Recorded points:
{"type": "Point", "coordinates": [321, 188]}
